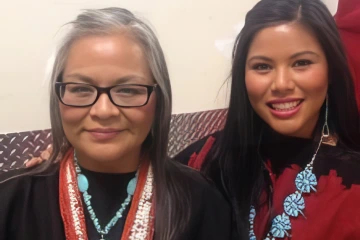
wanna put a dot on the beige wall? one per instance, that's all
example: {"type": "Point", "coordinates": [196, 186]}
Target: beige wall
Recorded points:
{"type": "Point", "coordinates": [196, 36]}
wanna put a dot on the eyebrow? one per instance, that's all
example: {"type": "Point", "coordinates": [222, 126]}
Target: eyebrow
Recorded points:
{"type": "Point", "coordinates": [86, 79]}
{"type": "Point", "coordinates": [267, 59]}
{"type": "Point", "coordinates": [303, 53]}
{"type": "Point", "coordinates": [260, 58]}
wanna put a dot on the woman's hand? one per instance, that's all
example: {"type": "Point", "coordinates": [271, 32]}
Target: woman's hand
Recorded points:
{"type": "Point", "coordinates": [45, 155]}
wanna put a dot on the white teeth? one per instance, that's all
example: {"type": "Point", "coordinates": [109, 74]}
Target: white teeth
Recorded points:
{"type": "Point", "coordinates": [285, 106]}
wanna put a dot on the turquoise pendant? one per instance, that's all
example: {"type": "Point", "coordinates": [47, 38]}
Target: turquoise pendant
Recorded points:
{"type": "Point", "coordinates": [306, 181]}
{"type": "Point", "coordinates": [131, 186]}
{"type": "Point", "coordinates": [83, 183]}
{"type": "Point", "coordinates": [280, 225]}
{"type": "Point", "coordinates": [293, 204]}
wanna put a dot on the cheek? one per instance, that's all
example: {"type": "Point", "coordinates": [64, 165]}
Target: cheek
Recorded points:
{"type": "Point", "coordinates": [315, 82]}
{"type": "Point", "coordinates": [141, 118]}
{"type": "Point", "coordinates": [256, 86]}
{"type": "Point", "coordinates": [72, 117]}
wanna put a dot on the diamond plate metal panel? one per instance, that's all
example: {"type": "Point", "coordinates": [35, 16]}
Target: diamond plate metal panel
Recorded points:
{"type": "Point", "coordinates": [185, 128]}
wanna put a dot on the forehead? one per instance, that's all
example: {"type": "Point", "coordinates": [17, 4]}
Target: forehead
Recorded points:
{"type": "Point", "coordinates": [104, 57]}
{"type": "Point", "coordinates": [284, 39]}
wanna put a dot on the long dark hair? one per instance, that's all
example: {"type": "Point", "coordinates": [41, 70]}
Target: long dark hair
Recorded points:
{"type": "Point", "coordinates": [236, 151]}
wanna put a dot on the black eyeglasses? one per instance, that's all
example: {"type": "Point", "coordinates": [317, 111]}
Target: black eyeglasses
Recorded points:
{"type": "Point", "coordinates": [85, 95]}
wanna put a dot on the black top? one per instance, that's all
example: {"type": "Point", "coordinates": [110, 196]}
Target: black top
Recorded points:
{"type": "Point", "coordinates": [284, 151]}
{"type": "Point", "coordinates": [106, 199]}
{"type": "Point", "coordinates": [29, 207]}
{"type": "Point", "coordinates": [337, 169]}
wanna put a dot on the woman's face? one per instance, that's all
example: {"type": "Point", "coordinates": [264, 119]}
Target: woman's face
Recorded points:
{"type": "Point", "coordinates": [107, 138]}
{"type": "Point", "coordinates": [286, 76]}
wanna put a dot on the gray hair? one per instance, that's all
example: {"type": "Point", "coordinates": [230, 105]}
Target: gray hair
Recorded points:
{"type": "Point", "coordinates": [172, 200]}
{"type": "Point", "coordinates": [106, 22]}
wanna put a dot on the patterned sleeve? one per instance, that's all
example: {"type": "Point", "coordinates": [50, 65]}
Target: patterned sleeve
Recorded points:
{"type": "Point", "coordinates": [194, 155]}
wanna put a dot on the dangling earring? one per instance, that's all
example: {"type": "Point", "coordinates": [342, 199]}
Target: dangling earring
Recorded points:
{"type": "Point", "coordinates": [325, 130]}
{"type": "Point", "coordinates": [327, 137]}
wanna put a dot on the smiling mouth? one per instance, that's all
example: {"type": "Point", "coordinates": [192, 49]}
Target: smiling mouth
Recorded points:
{"type": "Point", "coordinates": [100, 135]}
{"type": "Point", "coordinates": [287, 106]}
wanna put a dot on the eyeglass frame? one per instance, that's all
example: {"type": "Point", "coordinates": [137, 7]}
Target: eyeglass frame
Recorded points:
{"type": "Point", "coordinates": [101, 90]}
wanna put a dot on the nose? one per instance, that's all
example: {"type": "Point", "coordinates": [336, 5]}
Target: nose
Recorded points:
{"type": "Point", "coordinates": [104, 108]}
{"type": "Point", "coordinates": [282, 81]}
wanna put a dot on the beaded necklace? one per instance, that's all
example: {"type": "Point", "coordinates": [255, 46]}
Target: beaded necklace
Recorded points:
{"type": "Point", "coordinates": [83, 185]}
{"type": "Point", "coordinates": [294, 204]}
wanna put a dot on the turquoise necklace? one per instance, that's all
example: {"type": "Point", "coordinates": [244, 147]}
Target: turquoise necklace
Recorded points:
{"type": "Point", "coordinates": [83, 185]}
{"type": "Point", "coordinates": [294, 204]}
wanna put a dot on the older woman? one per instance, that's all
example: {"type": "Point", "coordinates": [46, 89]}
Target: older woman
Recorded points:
{"type": "Point", "coordinates": [110, 116]}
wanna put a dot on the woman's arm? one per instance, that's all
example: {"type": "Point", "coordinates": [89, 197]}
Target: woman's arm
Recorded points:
{"type": "Point", "coordinates": [216, 220]}
{"type": "Point", "coordinates": [194, 154]}
{"type": "Point", "coordinates": [45, 155]}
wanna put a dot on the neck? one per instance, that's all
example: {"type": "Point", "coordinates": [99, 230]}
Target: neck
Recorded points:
{"type": "Point", "coordinates": [121, 164]}
{"type": "Point", "coordinates": [283, 151]}
{"type": "Point", "coordinates": [269, 135]}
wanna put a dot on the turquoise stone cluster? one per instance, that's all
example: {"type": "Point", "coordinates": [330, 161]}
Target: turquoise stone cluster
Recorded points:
{"type": "Point", "coordinates": [83, 185]}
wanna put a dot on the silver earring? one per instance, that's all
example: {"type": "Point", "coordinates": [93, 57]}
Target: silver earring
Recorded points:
{"type": "Point", "coordinates": [325, 129]}
{"type": "Point", "coordinates": [325, 134]}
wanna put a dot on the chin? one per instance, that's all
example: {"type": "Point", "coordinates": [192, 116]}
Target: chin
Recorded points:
{"type": "Point", "coordinates": [286, 129]}
{"type": "Point", "coordinates": [286, 132]}
{"type": "Point", "coordinates": [106, 152]}
{"type": "Point", "coordinates": [105, 155]}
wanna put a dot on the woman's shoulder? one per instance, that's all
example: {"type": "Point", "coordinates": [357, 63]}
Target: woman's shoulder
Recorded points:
{"type": "Point", "coordinates": [211, 216]}
{"type": "Point", "coordinates": [22, 191]}
{"type": "Point", "coordinates": [199, 185]}
{"type": "Point", "coordinates": [196, 148]}
{"type": "Point", "coordinates": [17, 183]}
{"type": "Point", "coordinates": [29, 200]}
{"type": "Point", "coordinates": [195, 156]}
{"type": "Point", "coordinates": [344, 161]}
{"type": "Point", "coordinates": [11, 179]}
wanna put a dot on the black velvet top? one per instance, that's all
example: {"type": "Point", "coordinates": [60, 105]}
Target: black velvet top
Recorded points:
{"type": "Point", "coordinates": [29, 207]}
